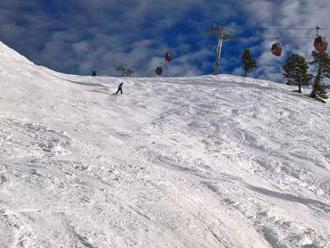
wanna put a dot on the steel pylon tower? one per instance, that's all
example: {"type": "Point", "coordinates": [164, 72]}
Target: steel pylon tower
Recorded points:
{"type": "Point", "coordinates": [222, 35]}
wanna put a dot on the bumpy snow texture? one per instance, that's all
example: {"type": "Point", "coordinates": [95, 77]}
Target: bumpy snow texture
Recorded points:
{"type": "Point", "coordinates": [174, 162]}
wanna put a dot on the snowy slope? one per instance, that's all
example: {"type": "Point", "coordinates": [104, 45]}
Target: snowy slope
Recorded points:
{"type": "Point", "coordinates": [174, 162]}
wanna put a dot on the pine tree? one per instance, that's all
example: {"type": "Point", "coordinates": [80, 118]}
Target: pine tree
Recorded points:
{"type": "Point", "coordinates": [296, 71]}
{"type": "Point", "coordinates": [322, 60]}
{"type": "Point", "coordinates": [249, 63]}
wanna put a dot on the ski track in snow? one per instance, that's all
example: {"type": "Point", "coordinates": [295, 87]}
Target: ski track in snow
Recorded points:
{"type": "Point", "coordinates": [174, 162]}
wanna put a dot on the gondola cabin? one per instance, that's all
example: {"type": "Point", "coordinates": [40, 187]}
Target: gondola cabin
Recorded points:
{"type": "Point", "coordinates": [277, 49]}
{"type": "Point", "coordinates": [320, 44]}
{"type": "Point", "coordinates": [168, 56]}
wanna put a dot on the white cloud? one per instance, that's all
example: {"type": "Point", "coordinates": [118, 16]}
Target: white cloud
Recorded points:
{"type": "Point", "coordinates": [78, 36]}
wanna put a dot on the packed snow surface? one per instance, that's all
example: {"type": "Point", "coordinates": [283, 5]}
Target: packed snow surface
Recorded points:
{"type": "Point", "coordinates": [173, 162]}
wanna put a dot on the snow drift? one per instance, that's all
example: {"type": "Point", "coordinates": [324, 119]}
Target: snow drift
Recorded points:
{"type": "Point", "coordinates": [174, 162]}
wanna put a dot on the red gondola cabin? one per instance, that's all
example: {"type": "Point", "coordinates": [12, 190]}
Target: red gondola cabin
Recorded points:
{"type": "Point", "coordinates": [168, 57]}
{"type": "Point", "coordinates": [277, 49]}
{"type": "Point", "coordinates": [320, 44]}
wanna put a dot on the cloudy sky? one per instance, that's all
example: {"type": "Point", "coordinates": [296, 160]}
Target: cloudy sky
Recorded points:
{"type": "Point", "coordinates": [77, 36]}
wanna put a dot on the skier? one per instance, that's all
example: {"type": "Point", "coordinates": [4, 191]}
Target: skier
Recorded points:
{"type": "Point", "coordinates": [120, 89]}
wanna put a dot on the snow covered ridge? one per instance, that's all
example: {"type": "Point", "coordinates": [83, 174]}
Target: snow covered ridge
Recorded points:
{"type": "Point", "coordinates": [10, 55]}
{"type": "Point", "coordinates": [173, 162]}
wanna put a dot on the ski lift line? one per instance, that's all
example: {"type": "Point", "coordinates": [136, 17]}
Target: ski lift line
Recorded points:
{"type": "Point", "coordinates": [291, 37]}
{"type": "Point", "coordinates": [297, 28]}
{"type": "Point", "coordinates": [275, 38]}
